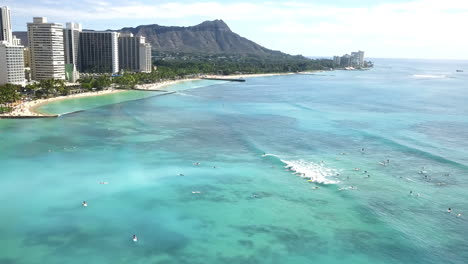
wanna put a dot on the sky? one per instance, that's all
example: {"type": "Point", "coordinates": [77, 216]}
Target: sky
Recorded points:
{"type": "Point", "coordinates": [431, 29]}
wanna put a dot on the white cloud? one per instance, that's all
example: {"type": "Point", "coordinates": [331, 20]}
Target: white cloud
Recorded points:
{"type": "Point", "coordinates": [411, 27]}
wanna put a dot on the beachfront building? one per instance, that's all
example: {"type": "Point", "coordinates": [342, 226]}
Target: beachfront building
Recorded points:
{"type": "Point", "coordinates": [146, 62]}
{"type": "Point", "coordinates": [345, 61]}
{"type": "Point", "coordinates": [337, 60]}
{"type": "Point", "coordinates": [11, 53]}
{"type": "Point", "coordinates": [6, 34]}
{"type": "Point", "coordinates": [356, 60]}
{"type": "Point", "coordinates": [98, 52]}
{"type": "Point", "coordinates": [11, 64]}
{"type": "Point", "coordinates": [134, 53]}
{"type": "Point", "coordinates": [46, 47]}
{"type": "Point", "coordinates": [71, 37]}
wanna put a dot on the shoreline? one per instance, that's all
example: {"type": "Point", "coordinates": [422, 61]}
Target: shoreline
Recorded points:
{"type": "Point", "coordinates": [29, 109]}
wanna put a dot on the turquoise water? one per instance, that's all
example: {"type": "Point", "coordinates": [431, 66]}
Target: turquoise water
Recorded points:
{"type": "Point", "coordinates": [85, 103]}
{"type": "Point", "coordinates": [238, 205]}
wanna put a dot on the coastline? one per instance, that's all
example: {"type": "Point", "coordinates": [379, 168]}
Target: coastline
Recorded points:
{"type": "Point", "coordinates": [29, 109]}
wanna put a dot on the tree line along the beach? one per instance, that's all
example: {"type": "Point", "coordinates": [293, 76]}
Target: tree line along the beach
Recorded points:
{"type": "Point", "coordinates": [168, 67]}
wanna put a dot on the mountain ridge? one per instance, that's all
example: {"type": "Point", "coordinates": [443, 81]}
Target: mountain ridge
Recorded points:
{"type": "Point", "coordinates": [208, 37]}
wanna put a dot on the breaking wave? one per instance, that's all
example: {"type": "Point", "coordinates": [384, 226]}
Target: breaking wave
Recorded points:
{"type": "Point", "coordinates": [315, 172]}
{"type": "Point", "coordinates": [428, 76]}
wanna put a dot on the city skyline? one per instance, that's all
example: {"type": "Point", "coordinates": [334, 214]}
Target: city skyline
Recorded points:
{"type": "Point", "coordinates": [386, 29]}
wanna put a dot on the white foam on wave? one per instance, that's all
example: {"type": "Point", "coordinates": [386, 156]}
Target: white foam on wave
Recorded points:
{"type": "Point", "coordinates": [428, 76]}
{"type": "Point", "coordinates": [316, 172]}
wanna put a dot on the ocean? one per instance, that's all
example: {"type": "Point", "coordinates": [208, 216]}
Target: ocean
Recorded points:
{"type": "Point", "coordinates": [330, 167]}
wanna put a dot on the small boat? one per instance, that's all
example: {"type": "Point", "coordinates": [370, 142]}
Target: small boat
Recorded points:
{"type": "Point", "coordinates": [459, 70]}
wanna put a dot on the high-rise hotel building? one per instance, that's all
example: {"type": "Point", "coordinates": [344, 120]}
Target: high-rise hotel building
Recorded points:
{"type": "Point", "coordinates": [146, 63]}
{"type": "Point", "coordinates": [6, 33]}
{"type": "Point", "coordinates": [46, 47]}
{"type": "Point", "coordinates": [134, 53]}
{"type": "Point", "coordinates": [98, 52]}
{"type": "Point", "coordinates": [11, 54]}
{"type": "Point", "coordinates": [11, 64]}
{"type": "Point", "coordinates": [71, 35]}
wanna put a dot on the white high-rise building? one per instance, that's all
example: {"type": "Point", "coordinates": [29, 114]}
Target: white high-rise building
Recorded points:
{"type": "Point", "coordinates": [145, 57]}
{"type": "Point", "coordinates": [46, 47]}
{"type": "Point", "coordinates": [11, 64]}
{"type": "Point", "coordinates": [6, 34]}
{"type": "Point", "coordinates": [11, 53]}
{"type": "Point", "coordinates": [71, 35]}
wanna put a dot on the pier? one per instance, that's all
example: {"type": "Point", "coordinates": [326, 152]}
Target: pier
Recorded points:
{"type": "Point", "coordinates": [224, 79]}
{"type": "Point", "coordinates": [28, 117]}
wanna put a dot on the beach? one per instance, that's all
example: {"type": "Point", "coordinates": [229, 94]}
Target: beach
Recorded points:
{"type": "Point", "coordinates": [29, 108]}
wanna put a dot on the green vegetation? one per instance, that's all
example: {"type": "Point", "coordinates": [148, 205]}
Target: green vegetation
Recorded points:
{"type": "Point", "coordinates": [8, 95]}
{"type": "Point", "coordinates": [180, 64]}
{"type": "Point", "coordinates": [47, 88]}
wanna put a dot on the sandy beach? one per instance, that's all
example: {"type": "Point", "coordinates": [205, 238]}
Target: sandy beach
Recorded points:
{"type": "Point", "coordinates": [28, 108]}
{"type": "Point", "coordinates": [160, 85]}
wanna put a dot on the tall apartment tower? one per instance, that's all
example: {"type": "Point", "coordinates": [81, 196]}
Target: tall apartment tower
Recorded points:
{"type": "Point", "coordinates": [6, 33]}
{"type": "Point", "coordinates": [71, 37]}
{"type": "Point", "coordinates": [98, 52]}
{"type": "Point", "coordinates": [357, 58]}
{"type": "Point", "coordinates": [11, 64]}
{"type": "Point", "coordinates": [11, 53]}
{"type": "Point", "coordinates": [146, 63]}
{"type": "Point", "coordinates": [46, 47]}
{"type": "Point", "coordinates": [133, 53]}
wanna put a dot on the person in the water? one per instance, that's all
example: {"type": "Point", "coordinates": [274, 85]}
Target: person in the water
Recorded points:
{"type": "Point", "coordinates": [134, 238]}
{"type": "Point", "coordinates": [84, 204]}
{"type": "Point", "coordinates": [449, 210]}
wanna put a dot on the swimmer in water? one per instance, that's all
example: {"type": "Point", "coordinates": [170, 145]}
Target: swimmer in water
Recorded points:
{"type": "Point", "coordinates": [84, 204]}
{"type": "Point", "coordinates": [362, 150]}
{"type": "Point", "coordinates": [135, 238]}
{"type": "Point", "coordinates": [449, 210]}
{"type": "Point", "coordinates": [315, 188]}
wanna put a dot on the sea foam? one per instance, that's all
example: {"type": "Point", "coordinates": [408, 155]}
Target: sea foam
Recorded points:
{"type": "Point", "coordinates": [316, 172]}
{"type": "Point", "coordinates": [428, 76]}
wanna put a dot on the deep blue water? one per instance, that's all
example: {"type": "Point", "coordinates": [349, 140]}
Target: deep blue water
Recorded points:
{"type": "Point", "coordinates": [239, 205]}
